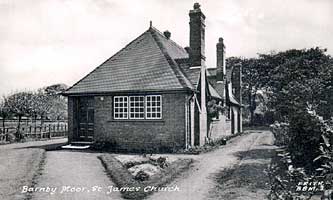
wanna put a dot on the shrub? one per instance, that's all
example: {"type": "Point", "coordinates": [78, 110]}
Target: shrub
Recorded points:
{"type": "Point", "coordinates": [305, 132]}
{"type": "Point", "coordinates": [280, 131]}
{"type": "Point", "coordinates": [141, 176]}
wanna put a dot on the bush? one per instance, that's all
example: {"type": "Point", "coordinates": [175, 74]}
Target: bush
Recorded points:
{"type": "Point", "coordinates": [305, 132]}
{"type": "Point", "coordinates": [141, 176]}
{"type": "Point", "coordinates": [280, 131]}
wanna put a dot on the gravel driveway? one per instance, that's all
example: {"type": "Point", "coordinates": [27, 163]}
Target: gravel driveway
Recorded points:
{"type": "Point", "coordinates": [200, 182]}
{"type": "Point", "coordinates": [78, 172]}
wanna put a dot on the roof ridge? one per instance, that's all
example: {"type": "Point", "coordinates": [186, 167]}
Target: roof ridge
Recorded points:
{"type": "Point", "coordinates": [113, 56]}
{"type": "Point", "coordinates": [183, 80]}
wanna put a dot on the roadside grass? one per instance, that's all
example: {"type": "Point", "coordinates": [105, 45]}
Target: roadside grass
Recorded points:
{"type": "Point", "coordinates": [210, 146]}
{"type": "Point", "coordinates": [124, 179]}
{"type": "Point", "coordinates": [19, 168]}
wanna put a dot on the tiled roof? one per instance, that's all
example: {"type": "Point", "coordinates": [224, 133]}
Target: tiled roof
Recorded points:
{"type": "Point", "coordinates": [145, 64]}
{"type": "Point", "coordinates": [213, 92]}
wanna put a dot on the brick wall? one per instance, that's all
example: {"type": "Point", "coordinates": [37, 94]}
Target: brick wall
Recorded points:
{"type": "Point", "coordinates": [71, 116]}
{"type": "Point", "coordinates": [134, 135]}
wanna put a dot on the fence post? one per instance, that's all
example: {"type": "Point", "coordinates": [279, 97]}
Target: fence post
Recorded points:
{"type": "Point", "coordinates": [50, 130]}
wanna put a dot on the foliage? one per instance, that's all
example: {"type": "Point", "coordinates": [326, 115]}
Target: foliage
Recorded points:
{"type": "Point", "coordinates": [281, 133]}
{"type": "Point", "coordinates": [43, 103]}
{"type": "Point", "coordinates": [305, 134]}
{"type": "Point", "coordinates": [141, 176]}
{"type": "Point", "coordinates": [20, 105]}
{"type": "Point", "coordinates": [254, 79]}
{"type": "Point", "coordinates": [58, 104]}
{"type": "Point", "coordinates": [308, 158]}
{"type": "Point", "coordinates": [326, 152]}
{"type": "Point", "coordinates": [284, 178]}
{"type": "Point", "coordinates": [214, 109]}
{"type": "Point", "coordinates": [298, 79]}
{"type": "Point", "coordinates": [4, 112]}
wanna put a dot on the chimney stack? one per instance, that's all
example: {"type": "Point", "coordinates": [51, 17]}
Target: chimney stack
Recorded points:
{"type": "Point", "coordinates": [167, 34]}
{"type": "Point", "coordinates": [197, 36]}
{"type": "Point", "coordinates": [237, 82]}
{"type": "Point", "coordinates": [220, 60]}
{"type": "Point", "coordinates": [221, 81]}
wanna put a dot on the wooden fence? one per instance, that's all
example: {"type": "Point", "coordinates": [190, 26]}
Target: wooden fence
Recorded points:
{"type": "Point", "coordinates": [37, 132]}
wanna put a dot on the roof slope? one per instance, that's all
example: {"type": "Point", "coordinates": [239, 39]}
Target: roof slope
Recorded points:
{"type": "Point", "coordinates": [145, 64]}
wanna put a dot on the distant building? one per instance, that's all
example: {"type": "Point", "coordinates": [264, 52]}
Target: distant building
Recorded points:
{"type": "Point", "coordinates": [154, 94]}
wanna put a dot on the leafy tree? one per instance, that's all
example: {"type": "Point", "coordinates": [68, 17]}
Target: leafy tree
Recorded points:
{"type": "Point", "coordinates": [254, 79]}
{"type": "Point", "coordinates": [4, 112]}
{"type": "Point", "coordinates": [20, 105]}
{"type": "Point", "coordinates": [299, 79]}
{"type": "Point", "coordinates": [58, 103]}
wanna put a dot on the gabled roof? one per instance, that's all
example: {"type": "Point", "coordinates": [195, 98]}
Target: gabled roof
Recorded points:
{"type": "Point", "coordinates": [233, 100]}
{"type": "Point", "coordinates": [213, 92]}
{"type": "Point", "coordinates": [146, 64]}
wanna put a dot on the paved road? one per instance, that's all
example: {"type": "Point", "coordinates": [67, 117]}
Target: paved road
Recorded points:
{"type": "Point", "coordinates": [39, 144]}
{"type": "Point", "coordinates": [199, 182]}
{"type": "Point", "coordinates": [78, 170]}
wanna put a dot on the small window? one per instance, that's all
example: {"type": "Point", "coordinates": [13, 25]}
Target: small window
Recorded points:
{"type": "Point", "coordinates": [154, 107]}
{"type": "Point", "coordinates": [120, 107]}
{"type": "Point", "coordinates": [136, 107]}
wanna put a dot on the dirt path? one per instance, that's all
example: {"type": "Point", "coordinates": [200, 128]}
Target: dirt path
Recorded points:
{"type": "Point", "coordinates": [75, 169]}
{"type": "Point", "coordinates": [201, 182]}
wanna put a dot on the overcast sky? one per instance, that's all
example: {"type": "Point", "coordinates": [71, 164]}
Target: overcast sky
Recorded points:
{"type": "Point", "coordinates": [43, 42]}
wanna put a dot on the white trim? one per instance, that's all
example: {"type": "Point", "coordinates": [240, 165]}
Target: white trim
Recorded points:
{"type": "Point", "coordinates": [129, 108]}
{"type": "Point", "coordinates": [196, 101]}
{"type": "Point", "coordinates": [196, 67]}
{"type": "Point", "coordinates": [160, 107]}
{"type": "Point", "coordinates": [114, 107]}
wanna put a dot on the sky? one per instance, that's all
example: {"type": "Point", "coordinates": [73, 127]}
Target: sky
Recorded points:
{"type": "Point", "coordinates": [44, 42]}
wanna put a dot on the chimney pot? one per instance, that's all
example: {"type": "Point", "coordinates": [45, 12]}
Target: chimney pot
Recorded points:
{"type": "Point", "coordinates": [187, 49]}
{"type": "Point", "coordinates": [167, 34]}
{"type": "Point", "coordinates": [196, 6]}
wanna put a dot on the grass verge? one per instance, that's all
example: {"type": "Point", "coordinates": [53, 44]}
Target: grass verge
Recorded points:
{"type": "Point", "coordinates": [211, 146]}
{"type": "Point", "coordinates": [19, 168]}
{"type": "Point", "coordinates": [123, 179]}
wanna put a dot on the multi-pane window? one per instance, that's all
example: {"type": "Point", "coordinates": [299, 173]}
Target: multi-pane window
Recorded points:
{"type": "Point", "coordinates": [120, 107]}
{"type": "Point", "coordinates": [136, 109]}
{"type": "Point", "coordinates": [154, 107]}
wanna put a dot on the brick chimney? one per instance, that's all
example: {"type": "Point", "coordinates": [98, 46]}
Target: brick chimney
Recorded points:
{"type": "Point", "coordinates": [221, 69]}
{"type": "Point", "coordinates": [197, 36]}
{"type": "Point", "coordinates": [220, 60]}
{"type": "Point", "coordinates": [237, 82]}
{"type": "Point", "coordinates": [167, 34]}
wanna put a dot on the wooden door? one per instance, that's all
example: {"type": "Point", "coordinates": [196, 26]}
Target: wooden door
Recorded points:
{"type": "Point", "coordinates": [86, 119]}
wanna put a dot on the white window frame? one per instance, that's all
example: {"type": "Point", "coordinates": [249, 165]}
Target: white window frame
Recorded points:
{"type": "Point", "coordinates": [123, 107]}
{"type": "Point", "coordinates": [134, 107]}
{"type": "Point", "coordinates": [151, 112]}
